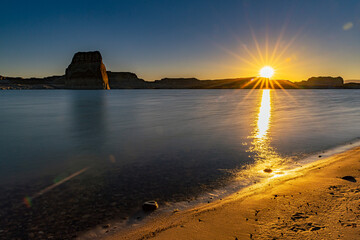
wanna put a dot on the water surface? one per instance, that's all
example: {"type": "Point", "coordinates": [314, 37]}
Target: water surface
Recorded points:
{"type": "Point", "coordinates": [99, 154]}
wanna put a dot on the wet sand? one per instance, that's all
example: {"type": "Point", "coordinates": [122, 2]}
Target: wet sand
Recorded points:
{"type": "Point", "coordinates": [309, 202]}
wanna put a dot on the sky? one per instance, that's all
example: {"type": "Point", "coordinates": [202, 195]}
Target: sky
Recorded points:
{"type": "Point", "coordinates": [205, 39]}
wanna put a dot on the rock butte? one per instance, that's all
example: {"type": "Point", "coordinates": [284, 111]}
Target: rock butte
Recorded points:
{"type": "Point", "coordinates": [86, 71]}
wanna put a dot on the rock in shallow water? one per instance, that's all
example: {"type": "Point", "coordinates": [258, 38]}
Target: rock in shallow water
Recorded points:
{"type": "Point", "coordinates": [150, 206]}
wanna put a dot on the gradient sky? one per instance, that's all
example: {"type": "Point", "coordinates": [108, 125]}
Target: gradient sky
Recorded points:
{"type": "Point", "coordinates": [204, 39]}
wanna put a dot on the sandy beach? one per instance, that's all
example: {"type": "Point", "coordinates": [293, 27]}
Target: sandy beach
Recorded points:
{"type": "Point", "coordinates": [310, 202]}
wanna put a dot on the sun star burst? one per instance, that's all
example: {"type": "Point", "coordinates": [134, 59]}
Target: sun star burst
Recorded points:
{"type": "Point", "coordinates": [267, 72]}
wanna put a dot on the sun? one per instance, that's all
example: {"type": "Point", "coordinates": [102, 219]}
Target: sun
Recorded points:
{"type": "Point", "coordinates": [267, 72]}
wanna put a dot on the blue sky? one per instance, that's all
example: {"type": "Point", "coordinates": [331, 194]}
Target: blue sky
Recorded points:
{"type": "Point", "coordinates": [205, 39]}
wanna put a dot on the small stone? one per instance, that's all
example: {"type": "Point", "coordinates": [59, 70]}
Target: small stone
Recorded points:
{"type": "Point", "coordinates": [106, 226]}
{"type": "Point", "coordinates": [315, 228]}
{"type": "Point", "coordinates": [349, 178]}
{"type": "Point", "coordinates": [267, 170]}
{"type": "Point", "coordinates": [150, 206]}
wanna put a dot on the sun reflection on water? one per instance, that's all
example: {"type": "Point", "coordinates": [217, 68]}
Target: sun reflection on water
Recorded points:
{"type": "Point", "coordinates": [267, 161]}
{"type": "Point", "coordinates": [263, 120]}
{"type": "Point", "coordinates": [260, 146]}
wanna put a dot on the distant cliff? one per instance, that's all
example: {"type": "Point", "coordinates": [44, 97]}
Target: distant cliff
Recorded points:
{"type": "Point", "coordinates": [126, 80]}
{"type": "Point", "coordinates": [322, 82]}
{"type": "Point", "coordinates": [53, 82]}
{"type": "Point", "coordinates": [230, 83]}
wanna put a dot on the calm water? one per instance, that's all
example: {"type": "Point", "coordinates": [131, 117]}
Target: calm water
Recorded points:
{"type": "Point", "coordinates": [115, 149]}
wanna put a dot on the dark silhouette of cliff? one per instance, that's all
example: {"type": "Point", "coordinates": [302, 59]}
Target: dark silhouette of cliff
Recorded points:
{"type": "Point", "coordinates": [322, 82]}
{"type": "Point", "coordinates": [53, 82]}
{"type": "Point", "coordinates": [127, 80]}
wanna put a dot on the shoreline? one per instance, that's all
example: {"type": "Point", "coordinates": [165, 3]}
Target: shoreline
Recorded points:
{"type": "Point", "coordinates": [183, 224]}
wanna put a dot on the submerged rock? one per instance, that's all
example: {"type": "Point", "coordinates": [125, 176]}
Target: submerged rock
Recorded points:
{"type": "Point", "coordinates": [150, 206]}
{"type": "Point", "coordinates": [86, 71]}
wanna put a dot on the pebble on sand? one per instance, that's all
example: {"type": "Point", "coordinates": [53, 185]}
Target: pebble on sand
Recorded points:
{"type": "Point", "coordinates": [267, 170]}
{"type": "Point", "coordinates": [106, 226]}
{"type": "Point", "coordinates": [150, 206]}
{"type": "Point", "coordinates": [349, 178]}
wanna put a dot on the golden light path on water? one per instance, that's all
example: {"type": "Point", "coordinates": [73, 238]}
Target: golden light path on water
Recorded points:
{"type": "Point", "coordinates": [267, 162]}
{"type": "Point", "coordinates": [263, 120]}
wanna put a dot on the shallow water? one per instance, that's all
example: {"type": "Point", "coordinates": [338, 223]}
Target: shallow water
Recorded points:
{"type": "Point", "coordinates": [108, 151]}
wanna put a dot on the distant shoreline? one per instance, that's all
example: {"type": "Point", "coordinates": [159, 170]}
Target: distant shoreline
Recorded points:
{"type": "Point", "coordinates": [87, 71]}
{"type": "Point", "coordinates": [127, 80]}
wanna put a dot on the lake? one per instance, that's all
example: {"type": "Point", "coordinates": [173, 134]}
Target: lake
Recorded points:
{"type": "Point", "coordinates": [79, 158]}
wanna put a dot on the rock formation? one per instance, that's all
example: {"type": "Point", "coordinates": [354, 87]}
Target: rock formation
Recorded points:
{"type": "Point", "coordinates": [126, 80]}
{"type": "Point", "coordinates": [323, 82]}
{"type": "Point", "coordinates": [86, 71]}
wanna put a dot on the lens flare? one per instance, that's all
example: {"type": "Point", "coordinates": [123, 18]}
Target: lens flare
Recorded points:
{"type": "Point", "coordinates": [28, 201]}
